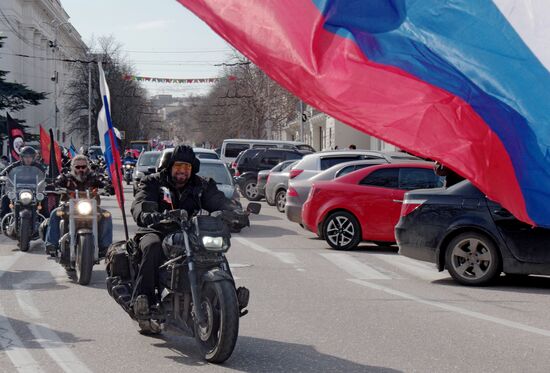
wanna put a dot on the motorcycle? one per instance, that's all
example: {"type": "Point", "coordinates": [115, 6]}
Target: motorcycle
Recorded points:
{"type": "Point", "coordinates": [78, 246]}
{"type": "Point", "coordinates": [128, 169]}
{"type": "Point", "coordinates": [25, 187]}
{"type": "Point", "coordinates": [198, 296]}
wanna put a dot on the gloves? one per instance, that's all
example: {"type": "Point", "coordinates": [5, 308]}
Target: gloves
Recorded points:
{"type": "Point", "coordinates": [150, 218]}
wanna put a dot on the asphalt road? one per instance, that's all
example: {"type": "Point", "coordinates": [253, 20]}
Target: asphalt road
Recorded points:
{"type": "Point", "coordinates": [312, 309]}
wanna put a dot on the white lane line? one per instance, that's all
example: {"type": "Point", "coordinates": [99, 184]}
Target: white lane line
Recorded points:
{"type": "Point", "coordinates": [57, 350]}
{"type": "Point", "coordinates": [44, 335]}
{"type": "Point", "coordinates": [455, 309]}
{"type": "Point", "coordinates": [11, 344]}
{"type": "Point", "coordinates": [284, 257]}
{"type": "Point", "coordinates": [354, 267]}
{"type": "Point", "coordinates": [413, 267]}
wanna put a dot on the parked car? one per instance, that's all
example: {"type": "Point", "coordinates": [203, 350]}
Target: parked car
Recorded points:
{"type": "Point", "coordinates": [277, 184]}
{"type": "Point", "coordinates": [365, 204]}
{"type": "Point", "coordinates": [253, 161]}
{"type": "Point", "coordinates": [217, 170]}
{"type": "Point", "coordinates": [263, 175]}
{"type": "Point", "coordinates": [298, 190]}
{"type": "Point", "coordinates": [474, 238]}
{"type": "Point", "coordinates": [232, 147]}
{"type": "Point", "coordinates": [312, 164]}
{"type": "Point", "coordinates": [145, 165]}
{"type": "Point", "coordinates": [201, 153]}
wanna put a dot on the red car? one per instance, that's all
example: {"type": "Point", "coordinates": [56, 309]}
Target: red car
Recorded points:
{"type": "Point", "coordinates": [364, 205]}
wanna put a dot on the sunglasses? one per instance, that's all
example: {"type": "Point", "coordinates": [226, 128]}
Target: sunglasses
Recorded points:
{"type": "Point", "coordinates": [182, 166]}
{"type": "Point", "coordinates": [80, 167]}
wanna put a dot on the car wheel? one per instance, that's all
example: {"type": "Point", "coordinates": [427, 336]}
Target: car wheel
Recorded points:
{"type": "Point", "coordinates": [472, 259]}
{"type": "Point", "coordinates": [280, 200]}
{"type": "Point", "coordinates": [251, 190]}
{"type": "Point", "coordinates": [342, 231]}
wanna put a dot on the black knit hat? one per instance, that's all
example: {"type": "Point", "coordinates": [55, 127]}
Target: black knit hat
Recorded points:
{"type": "Point", "coordinates": [184, 153]}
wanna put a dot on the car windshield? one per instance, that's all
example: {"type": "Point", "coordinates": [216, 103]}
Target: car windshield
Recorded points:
{"type": "Point", "coordinates": [148, 159]}
{"type": "Point", "coordinates": [216, 172]}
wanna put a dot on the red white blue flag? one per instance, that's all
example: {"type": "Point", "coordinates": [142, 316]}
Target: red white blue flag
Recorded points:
{"type": "Point", "coordinates": [464, 82]}
{"type": "Point", "coordinates": [107, 139]}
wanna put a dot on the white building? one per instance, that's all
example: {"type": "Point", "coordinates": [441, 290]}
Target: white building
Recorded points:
{"type": "Point", "coordinates": [31, 27]}
{"type": "Point", "coordinates": [326, 133]}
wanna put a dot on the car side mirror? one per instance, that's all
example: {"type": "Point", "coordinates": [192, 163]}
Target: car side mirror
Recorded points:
{"type": "Point", "coordinates": [254, 208]}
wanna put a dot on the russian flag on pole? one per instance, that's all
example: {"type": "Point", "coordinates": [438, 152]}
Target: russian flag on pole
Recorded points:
{"type": "Point", "coordinates": [107, 138]}
{"type": "Point", "coordinates": [464, 82]}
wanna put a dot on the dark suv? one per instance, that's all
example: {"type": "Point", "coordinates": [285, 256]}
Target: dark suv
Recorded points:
{"type": "Point", "coordinates": [252, 161]}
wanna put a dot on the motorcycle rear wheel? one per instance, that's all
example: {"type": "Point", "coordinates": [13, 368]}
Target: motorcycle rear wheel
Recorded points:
{"type": "Point", "coordinates": [217, 339]}
{"type": "Point", "coordinates": [84, 263]}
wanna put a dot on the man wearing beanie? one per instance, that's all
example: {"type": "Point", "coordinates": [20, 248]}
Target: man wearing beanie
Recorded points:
{"type": "Point", "coordinates": [176, 186]}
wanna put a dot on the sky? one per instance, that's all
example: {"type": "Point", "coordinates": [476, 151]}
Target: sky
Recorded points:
{"type": "Point", "coordinates": [160, 38]}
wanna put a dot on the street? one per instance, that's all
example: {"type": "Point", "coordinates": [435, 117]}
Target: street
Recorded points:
{"type": "Point", "coordinates": [312, 309]}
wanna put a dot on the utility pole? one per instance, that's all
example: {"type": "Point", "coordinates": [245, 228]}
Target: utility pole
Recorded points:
{"type": "Point", "coordinates": [89, 104]}
{"type": "Point", "coordinates": [55, 77]}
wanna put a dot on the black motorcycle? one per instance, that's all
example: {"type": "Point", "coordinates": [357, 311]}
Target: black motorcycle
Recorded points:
{"type": "Point", "coordinates": [25, 186]}
{"type": "Point", "coordinates": [198, 296]}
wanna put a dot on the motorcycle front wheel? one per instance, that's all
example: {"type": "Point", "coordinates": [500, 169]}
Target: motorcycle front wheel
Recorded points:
{"type": "Point", "coordinates": [25, 232]}
{"type": "Point", "coordinates": [217, 338]}
{"type": "Point", "coordinates": [84, 262]}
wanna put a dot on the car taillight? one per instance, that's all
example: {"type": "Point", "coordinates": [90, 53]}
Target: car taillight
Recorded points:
{"type": "Point", "coordinates": [409, 205]}
{"type": "Point", "coordinates": [291, 192]}
{"type": "Point", "coordinates": [294, 173]}
{"type": "Point", "coordinates": [234, 165]}
{"type": "Point", "coordinates": [237, 173]}
{"type": "Point", "coordinates": [267, 180]}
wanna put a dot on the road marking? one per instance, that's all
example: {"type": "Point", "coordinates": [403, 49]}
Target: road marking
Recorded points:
{"type": "Point", "coordinates": [6, 261]}
{"type": "Point", "coordinates": [413, 267]}
{"type": "Point", "coordinates": [354, 267]}
{"type": "Point", "coordinates": [455, 309]}
{"type": "Point", "coordinates": [284, 257]}
{"type": "Point", "coordinates": [57, 349]}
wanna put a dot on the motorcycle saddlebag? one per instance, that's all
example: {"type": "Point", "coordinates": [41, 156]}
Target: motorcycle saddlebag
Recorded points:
{"type": "Point", "coordinates": [117, 261]}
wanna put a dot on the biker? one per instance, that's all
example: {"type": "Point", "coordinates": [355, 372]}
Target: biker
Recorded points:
{"type": "Point", "coordinates": [188, 192]}
{"type": "Point", "coordinates": [28, 158]}
{"type": "Point", "coordinates": [82, 179]}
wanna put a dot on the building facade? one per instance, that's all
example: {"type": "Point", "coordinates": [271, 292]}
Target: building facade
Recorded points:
{"type": "Point", "coordinates": [39, 37]}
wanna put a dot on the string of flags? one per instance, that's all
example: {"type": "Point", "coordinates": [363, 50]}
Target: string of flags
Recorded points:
{"type": "Point", "coordinates": [177, 81]}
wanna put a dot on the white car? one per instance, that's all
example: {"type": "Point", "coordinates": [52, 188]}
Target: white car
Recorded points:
{"type": "Point", "coordinates": [217, 170]}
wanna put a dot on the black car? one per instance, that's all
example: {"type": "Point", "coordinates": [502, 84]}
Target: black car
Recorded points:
{"type": "Point", "coordinates": [474, 238]}
{"type": "Point", "coordinates": [252, 161]}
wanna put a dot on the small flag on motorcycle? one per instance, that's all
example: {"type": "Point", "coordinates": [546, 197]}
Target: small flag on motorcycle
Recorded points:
{"type": "Point", "coordinates": [167, 197]}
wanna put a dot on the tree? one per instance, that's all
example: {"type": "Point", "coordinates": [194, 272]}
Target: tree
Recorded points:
{"type": "Point", "coordinates": [15, 96]}
{"type": "Point", "coordinates": [128, 98]}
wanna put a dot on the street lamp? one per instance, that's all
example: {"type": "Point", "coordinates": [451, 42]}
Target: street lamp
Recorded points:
{"type": "Point", "coordinates": [55, 77]}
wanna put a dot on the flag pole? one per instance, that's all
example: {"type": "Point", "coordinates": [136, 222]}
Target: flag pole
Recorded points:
{"type": "Point", "coordinates": [118, 172]}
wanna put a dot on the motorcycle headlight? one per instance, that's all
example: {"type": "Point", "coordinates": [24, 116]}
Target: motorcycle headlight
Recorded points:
{"type": "Point", "coordinates": [39, 196]}
{"type": "Point", "coordinates": [213, 243]}
{"type": "Point", "coordinates": [128, 166]}
{"type": "Point", "coordinates": [84, 207]}
{"type": "Point", "coordinates": [25, 197]}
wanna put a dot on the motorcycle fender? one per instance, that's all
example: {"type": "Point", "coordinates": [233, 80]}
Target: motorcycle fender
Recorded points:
{"type": "Point", "coordinates": [215, 275]}
{"type": "Point", "coordinates": [25, 214]}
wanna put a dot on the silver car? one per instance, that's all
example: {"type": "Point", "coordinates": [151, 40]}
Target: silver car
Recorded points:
{"type": "Point", "coordinates": [216, 170]}
{"type": "Point", "coordinates": [298, 190]}
{"type": "Point", "coordinates": [276, 186]}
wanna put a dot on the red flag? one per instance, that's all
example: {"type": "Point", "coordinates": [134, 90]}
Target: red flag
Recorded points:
{"type": "Point", "coordinates": [45, 149]}
{"type": "Point", "coordinates": [16, 135]}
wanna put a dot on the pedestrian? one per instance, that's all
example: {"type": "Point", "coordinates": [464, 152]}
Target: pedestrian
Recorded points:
{"type": "Point", "coordinates": [352, 147]}
{"type": "Point", "coordinates": [451, 177]}
{"type": "Point", "coordinates": [336, 147]}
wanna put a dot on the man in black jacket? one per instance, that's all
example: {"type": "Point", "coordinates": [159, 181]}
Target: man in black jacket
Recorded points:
{"type": "Point", "coordinates": [176, 187]}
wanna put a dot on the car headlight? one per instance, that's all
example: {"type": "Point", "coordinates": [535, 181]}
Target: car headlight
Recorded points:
{"type": "Point", "coordinates": [84, 207]}
{"type": "Point", "coordinates": [25, 197]}
{"type": "Point", "coordinates": [213, 243]}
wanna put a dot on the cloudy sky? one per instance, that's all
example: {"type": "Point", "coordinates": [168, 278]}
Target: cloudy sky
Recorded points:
{"type": "Point", "coordinates": [160, 37]}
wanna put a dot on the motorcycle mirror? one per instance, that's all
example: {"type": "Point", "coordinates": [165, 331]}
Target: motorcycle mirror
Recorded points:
{"type": "Point", "coordinates": [149, 206]}
{"type": "Point", "coordinates": [3, 179]}
{"type": "Point", "coordinates": [254, 208]}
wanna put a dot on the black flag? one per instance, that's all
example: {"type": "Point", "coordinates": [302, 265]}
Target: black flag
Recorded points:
{"type": "Point", "coordinates": [16, 136]}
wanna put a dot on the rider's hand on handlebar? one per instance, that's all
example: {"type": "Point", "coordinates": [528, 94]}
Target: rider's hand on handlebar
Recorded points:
{"type": "Point", "coordinates": [151, 218]}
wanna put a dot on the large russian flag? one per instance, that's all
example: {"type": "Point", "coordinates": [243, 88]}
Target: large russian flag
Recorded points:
{"type": "Point", "coordinates": [450, 80]}
{"type": "Point", "coordinates": [107, 140]}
